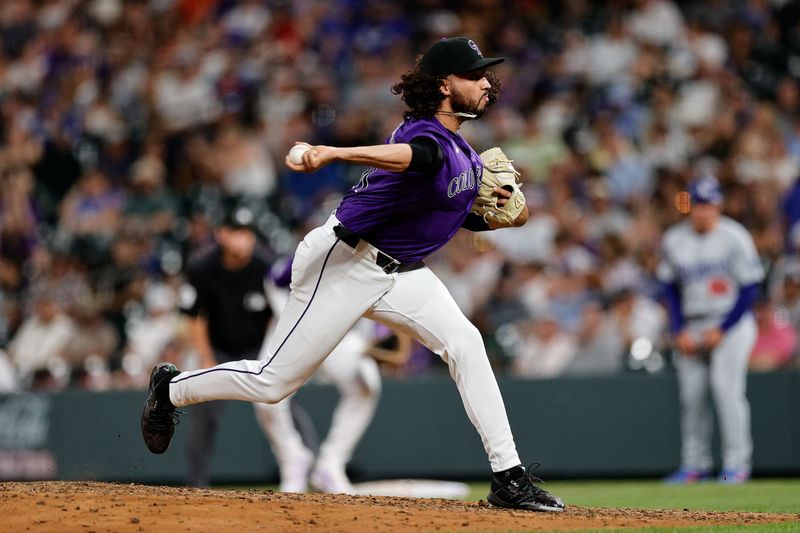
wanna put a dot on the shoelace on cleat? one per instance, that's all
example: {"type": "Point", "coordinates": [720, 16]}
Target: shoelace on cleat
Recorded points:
{"type": "Point", "coordinates": [161, 417]}
{"type": "Point", "coordinates": [527, 483]}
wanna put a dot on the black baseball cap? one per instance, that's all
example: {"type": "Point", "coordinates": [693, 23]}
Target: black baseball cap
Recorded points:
{"type": "Point", "coordinates": [455, 55]}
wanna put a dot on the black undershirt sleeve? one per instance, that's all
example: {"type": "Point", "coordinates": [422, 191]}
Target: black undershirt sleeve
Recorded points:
{"type": "Point", "coordinates": [475, 223]}
{"type": "Point", "coordinates": [426, 155]}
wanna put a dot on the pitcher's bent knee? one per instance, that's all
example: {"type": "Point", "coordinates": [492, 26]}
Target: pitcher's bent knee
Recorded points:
{"type": "Point", "coordinates": [466, 343]}
{"type": "Point", "coordinates": [274, 394]}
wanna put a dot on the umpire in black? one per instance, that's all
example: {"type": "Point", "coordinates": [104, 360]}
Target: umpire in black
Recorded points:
{"type": "Point", "coordinates": [225, 299]}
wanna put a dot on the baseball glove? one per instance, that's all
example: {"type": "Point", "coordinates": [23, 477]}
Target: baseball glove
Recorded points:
{"type": "Point", "coordinates": [498, 172]}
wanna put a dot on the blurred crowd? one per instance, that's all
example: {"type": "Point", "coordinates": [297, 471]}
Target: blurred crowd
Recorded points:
{"type": "Point", "coordinates": [128, 127]}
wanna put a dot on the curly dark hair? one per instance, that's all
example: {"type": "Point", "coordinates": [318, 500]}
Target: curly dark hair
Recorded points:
{"type": "Point", "coordinates": [420, 91]}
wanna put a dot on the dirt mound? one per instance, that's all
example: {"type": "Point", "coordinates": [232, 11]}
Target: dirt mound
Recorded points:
{"type": "Point", "coordinates": [89, 506]}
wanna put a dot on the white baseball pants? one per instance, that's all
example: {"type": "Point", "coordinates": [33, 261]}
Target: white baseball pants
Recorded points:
{"type": "Point", "coordinates": [333, 285]}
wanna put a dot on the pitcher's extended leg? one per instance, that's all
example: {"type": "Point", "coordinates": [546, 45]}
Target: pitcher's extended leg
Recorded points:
{"type": "Point", "coordinates": [330, 291]}
{"type": "Point", "coordinates": [420, 305]}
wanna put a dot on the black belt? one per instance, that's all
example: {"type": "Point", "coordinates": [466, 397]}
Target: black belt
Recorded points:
{"type": "Point", "coordinates": [387, 263]}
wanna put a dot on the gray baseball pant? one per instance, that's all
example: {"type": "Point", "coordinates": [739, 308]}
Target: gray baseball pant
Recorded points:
{"type": "Point", "coordinates": [724, 372]}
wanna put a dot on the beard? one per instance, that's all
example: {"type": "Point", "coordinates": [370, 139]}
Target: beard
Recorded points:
{"type": "Point", "coordinates": [459, 104]}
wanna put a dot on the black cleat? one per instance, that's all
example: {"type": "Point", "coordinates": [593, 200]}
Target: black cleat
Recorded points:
{"type": "Point", "coordinates": [514, 489]}
{"type": "Point", "coordinates": [159, 415]}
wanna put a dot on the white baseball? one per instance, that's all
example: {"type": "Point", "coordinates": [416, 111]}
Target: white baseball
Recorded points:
{"type": "Point", "coordinates": [296, 153]}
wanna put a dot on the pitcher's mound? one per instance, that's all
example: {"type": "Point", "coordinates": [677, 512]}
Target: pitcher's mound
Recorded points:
{"type": "Point", "coordinates": [88, 506]}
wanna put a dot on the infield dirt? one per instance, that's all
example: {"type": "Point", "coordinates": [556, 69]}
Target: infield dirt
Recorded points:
{"type": "Point", "coordinates": [100, 507]}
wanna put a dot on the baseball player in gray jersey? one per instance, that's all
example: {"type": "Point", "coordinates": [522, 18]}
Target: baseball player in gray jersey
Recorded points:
{"type": "Point", "coordinates": [711, 274]}
{"type": "Point", "coordinates": [366, 260]}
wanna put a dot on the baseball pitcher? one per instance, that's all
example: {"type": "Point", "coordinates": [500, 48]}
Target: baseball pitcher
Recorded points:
{"type": "Point", "coordinates": [422, 186]}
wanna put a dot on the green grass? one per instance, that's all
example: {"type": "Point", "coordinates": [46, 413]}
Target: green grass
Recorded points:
{"type": "Point", "coordinates": [770, 528]}
{"type": "Point", "coordinates": [762, 495]}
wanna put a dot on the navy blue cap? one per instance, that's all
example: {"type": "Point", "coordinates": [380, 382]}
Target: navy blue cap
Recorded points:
{"type": "Point", "coordinates": [705, 190]}
{"type": "Point", "coordinates": [455, 55]}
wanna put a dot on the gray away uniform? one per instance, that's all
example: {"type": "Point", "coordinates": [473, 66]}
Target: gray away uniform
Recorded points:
{"type": "Point", "coordinates": [709, 269]}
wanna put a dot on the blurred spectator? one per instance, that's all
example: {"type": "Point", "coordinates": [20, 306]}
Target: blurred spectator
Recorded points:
{"type": "Point", "coordinates": [787, 295]}
{"type": "Point", "coordinates": [19, 239]}
{"type": "Point", "coordinates": [469, 272]}
{"type": "Point", "coordinates": [760, 154]}
{"type": "Point", "coordinates": [611, 53]}
{"type": "Point", "coordinates": [791, 216]}
{"type": "Point", "coordinates": [10, 314]}
{"type": "Point", "coordinates": [537, 149]}
{"type": "Point", "coordinates": [20, 148]}
{"type": "Point", "coordinates": [776, 342]}
{"type": "Point", "coordinates": [627, 171]}
{"type": "Point", "coordinates": [543, 349]}
{"type": "Point", "coordinates": [606, 340]}
{"type": "Point", "coordinates": [247, 20]}
{"type": "Point", "coordinates": [153, 337]}
{"type": "Point", "coordinates": [600, 349]}
{"type": "Point", "coordinates": [621, 270]}
{"type": "Point", "coordinates": [504, 305]}
{"type": "Point", "coordinates": [656, 22]}
{"type": "Point", "coordinates": [120, 283]}
{"type": "Point", "coordinates": [90, 215]}
{"type": "Point", "coordinates": [183, 93]}
{"type": "Point", "coordinates": [570, 281]}
{"type": "Point", "coordinates": [37, 346]}
{"type": "Point", "coordinates": [150, 204]}
{"type": "Point", "coordinates": [242, 164]}
{"type": "Point", "coordinates": [89, 347]}
{"type": "Point", "coordinates": [602, 215]}
{"type": "Point", "coordinates": [533, 242]}
{"type": "Point", "coordinates": [64, 277]}
{"type": "Point", "coordinates": [8, 375]}
{"type": "Point", "coordinates": [56, 171]}
{"type": "Point", "coordinates": [534, 286]}
{"type": "Point", "coordinates": [666, 147]}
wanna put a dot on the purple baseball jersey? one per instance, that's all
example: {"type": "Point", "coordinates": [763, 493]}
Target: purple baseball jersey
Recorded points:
{"type": "Point", "coordinates": [410, 215]}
